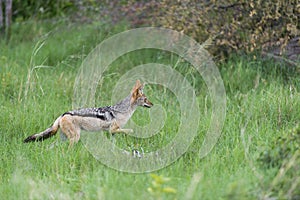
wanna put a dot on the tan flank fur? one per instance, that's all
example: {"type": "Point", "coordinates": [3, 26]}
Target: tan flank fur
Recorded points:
{"type": "Point", "coordinates": [109, 118]}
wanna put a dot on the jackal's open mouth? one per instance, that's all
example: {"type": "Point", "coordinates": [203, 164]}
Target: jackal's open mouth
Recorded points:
{"type": "Point", "coordinates": [148, 105]}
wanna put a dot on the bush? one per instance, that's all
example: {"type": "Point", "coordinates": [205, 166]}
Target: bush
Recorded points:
{"type": "Point", "coordinates": [246, 25]}
{"type": "Point", "coordinates": [237, 25]}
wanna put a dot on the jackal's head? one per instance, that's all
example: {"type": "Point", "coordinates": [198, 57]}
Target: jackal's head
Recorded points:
{"type": "Point", "coordinates": [138, 98]}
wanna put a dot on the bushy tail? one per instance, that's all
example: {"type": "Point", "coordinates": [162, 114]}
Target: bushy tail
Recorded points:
{"type": "Point", "coordinates": [49, 132]}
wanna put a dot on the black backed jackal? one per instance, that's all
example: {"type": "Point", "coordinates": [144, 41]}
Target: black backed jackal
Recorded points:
{"type": "Point", "coordinates": [109, 118]}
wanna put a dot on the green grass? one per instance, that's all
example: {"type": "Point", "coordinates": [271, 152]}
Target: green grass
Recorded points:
{"type": "Point", "coordinates": [38, 67]}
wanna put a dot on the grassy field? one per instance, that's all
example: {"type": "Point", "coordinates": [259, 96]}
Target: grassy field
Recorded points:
{"type": "Point", "coordinates": [38, 67]}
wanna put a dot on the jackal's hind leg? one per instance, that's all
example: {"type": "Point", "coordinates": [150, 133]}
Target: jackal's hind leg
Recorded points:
{"type": "Point", "coordinates": [69, 129]}
{"type": "Point", "coordinates": [63, 137]}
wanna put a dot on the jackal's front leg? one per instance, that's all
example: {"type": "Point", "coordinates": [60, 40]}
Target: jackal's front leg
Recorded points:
{"type": "Point", "coordinates": [115, 128]}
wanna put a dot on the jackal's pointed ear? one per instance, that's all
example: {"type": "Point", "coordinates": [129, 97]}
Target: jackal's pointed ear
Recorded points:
{"type": "Point", "coordinates": [136, 87]}
{"type": "Point", "coordinates": [135, 92]}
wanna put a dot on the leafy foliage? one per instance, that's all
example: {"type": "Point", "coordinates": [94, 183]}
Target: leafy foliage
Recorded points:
{"type": "Point", "coordinates": [283, 148]}
{"type": "Point", "coordinates": [237, 25]}
{"type": "Point", "coordinates": [284, 154]}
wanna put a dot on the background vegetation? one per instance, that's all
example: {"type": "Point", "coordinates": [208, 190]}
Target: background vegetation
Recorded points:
{"type": "Point", "coordinates": [257, 156]}
{"type": "Point", "coordinates": [240, 25]}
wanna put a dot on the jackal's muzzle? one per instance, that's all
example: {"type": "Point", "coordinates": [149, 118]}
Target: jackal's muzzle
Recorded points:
{"type": "Point", "coordinates": [147, 103]}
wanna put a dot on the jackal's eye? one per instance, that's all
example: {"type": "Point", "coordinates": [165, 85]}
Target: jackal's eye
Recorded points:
{"type": "Point", "coordinates": [141, 91]}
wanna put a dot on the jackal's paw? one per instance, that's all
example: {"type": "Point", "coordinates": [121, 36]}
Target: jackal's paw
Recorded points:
{"type": "Point", "coordinates": [126, 131]}
{"type": "Point", "coordinates": [129, 131]}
